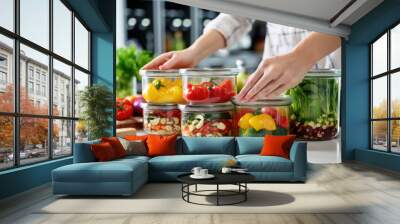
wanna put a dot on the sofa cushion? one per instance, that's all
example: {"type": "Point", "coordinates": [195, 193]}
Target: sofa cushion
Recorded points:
{"type": "Point", "coordinates": [103, 152]}
{"type": "Point", "coordinates": [185, 163]}
{"type": "Point", "coordinates": [249, 145]}
{"type": "Point", "coordinates": [161, 145]}
{"type": "Point", "coordinates": [112, 171]}
{"type": "Point", "coordinates": [116, 145]}
{"type": "Point", "coordinates": [83, 152]}
{"type": "Point", "coordinates": [257, 163]}
{"type": "Point", "coordinates": [277, 145]}
{"type": "Point", "coordinates": [134, 147]}
{"type": "Point", "coordinates": [208, 145]}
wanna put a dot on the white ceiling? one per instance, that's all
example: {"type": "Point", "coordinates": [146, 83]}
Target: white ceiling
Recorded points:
{"type": "Point", "coordinates": [327, 16]}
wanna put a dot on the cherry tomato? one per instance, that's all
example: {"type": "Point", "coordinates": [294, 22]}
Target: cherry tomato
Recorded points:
{"type": "Point", "coordinates": [270, 111]}
{"type": "Point", "coordinates": [196, 93]}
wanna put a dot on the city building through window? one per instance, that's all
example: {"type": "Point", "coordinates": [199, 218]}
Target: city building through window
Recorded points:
{"type": "Point", "coordinates": [385, 93]}
{"type": "Point", "coordinates": [40, 124]}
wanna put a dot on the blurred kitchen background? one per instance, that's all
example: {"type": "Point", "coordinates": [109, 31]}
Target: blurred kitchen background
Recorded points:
{"type": "Point", "coordinates": [147, 28]}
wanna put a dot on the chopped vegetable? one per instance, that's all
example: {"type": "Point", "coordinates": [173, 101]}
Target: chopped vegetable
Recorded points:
{"type": "Point", "coordinates": [164, 90]}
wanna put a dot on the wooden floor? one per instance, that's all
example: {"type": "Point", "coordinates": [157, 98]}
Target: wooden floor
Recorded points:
{"type": "Point", "coordinates": [377, 188]}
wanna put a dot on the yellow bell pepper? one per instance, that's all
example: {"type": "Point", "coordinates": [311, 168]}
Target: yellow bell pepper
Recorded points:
{"type": "Point", "coordinates": [244, 121]}
{"type": "Point", "coordinates": [164, 90]}
{"type": "Point", "coordinates": [262, 121]}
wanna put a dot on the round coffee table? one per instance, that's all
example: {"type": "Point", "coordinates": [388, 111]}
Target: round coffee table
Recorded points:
{"type": "Point", "coordinates": [238, 179]}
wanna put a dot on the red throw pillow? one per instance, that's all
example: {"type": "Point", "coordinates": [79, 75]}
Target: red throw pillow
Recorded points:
{"type": "Point", "coordinates": [116, 145]}
{"type": "Point", "coordinates": [277, 145]}
{"type": "Point", "coordinates": [161, 145]}
{"type": "Point", "coordinates": [136, 138]}
{"type": "Point", "coordinates": [103, 152]}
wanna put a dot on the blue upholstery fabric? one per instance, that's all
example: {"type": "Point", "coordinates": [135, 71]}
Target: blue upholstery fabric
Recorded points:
{"type": "Point", "coordinates": [185, 163]}
{"type": "Point", "coordinates": [119, 177]}
{"type": "Point", "coordinates": [249, 145]}
{"type": "Point", "coordinates": [257, 163]}
{"type": "Point", "coordinates": [126, 175]}
{"type": "Point", "coordinates": [83, 152]}
{"type": "Point", "coordinates": [208, 145]}
{"type": "Point", "coordinates": [298, 155]}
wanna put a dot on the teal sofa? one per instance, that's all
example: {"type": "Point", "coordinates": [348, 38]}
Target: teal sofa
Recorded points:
{"type": "Point", "coordinates": [125, 176]}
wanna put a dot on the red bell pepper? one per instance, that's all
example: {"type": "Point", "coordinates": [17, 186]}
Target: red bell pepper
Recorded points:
{"type": "Point", "coordinates": [124, 109]}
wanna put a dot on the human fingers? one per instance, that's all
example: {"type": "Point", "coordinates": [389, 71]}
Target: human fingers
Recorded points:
{"type": "Point", "coordinates": [171, 63]}
{"type": "Point", "coordinates": [251, 81]}
{"type": "Point", "coordinates": [270, 76]}
{"type": "Point", "coordinates": [158, 61]}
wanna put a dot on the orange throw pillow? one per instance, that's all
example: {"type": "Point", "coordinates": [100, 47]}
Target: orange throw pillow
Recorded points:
{"type": "Point", "coordinates": [161, 145]}
{"type": "Point", "coordinates": [277, 145]}
{"type": "Point", "coordinates": [136, 138]}
{"type": "Point", "coordinates": [103, 152]}
{"type": "Point", "coordinates": [116, 145]}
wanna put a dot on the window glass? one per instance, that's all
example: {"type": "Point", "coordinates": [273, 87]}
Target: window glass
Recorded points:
{"type": "Point", "coordinates": [395, 47]}
{"type": "Point", "coordinates": [81, 131]}
{"type": "Point", "coordinates": [6, 74]}
{"type": "Point", "coordinates": [395, 94]}
{"type": "Point", "coordinates": [379, 56]}
{"type": "Point", "coordinates": [39, 62]}
{"type": "Point", "coordinates": [62, 138]}
{"type": "Point", "coordinates": [379, 97]}
{"type": "Point", "coordinates": [34, 21]}
{"type": "Point", "coordinates": [62, 89]}
{"type": "Point", "coordinates": [395, 136]}
{"type": "Point", "coordinates": [33, 139]}
{"type": "Point", "coordinates": [62, 29]}
{"type": "Point", "coordinates": [6, 142]}
{"type": "Point", "coordinates": [81, 82]}
{"type": "Point", "coordinates": [379, 135]}
{"type": "Point", "coordinates": [81, 45]}
{"type": "Point", "coordinates": [7, 14]}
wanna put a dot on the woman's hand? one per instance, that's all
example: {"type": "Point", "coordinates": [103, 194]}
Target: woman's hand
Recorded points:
{"type": "Point", "coordinates": [205, 45]}
{"type": "Point", "coordinates": [186, 58]}
{"type": "Point", "coordinates": [274, 76]}
{"type": "Point", "coordinates": [277, 74]}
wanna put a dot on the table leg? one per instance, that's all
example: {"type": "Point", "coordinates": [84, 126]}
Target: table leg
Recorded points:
{"type": "Point", "coordinates": [245, 193]}
{"type": "Point", "coordinates": [217, 194]}
{"type": "Point", "coordinates": [195, 188]}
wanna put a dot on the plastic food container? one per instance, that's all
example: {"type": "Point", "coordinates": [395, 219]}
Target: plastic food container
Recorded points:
{"type": "Point", "coordinates": [162, 86]}
{"type": "Point", "coordinates": [205, 86]}
{"type": "Point", "coordinates": [210, 120]}
{"type": "Point", "coordinates": [314, 113]}
{"type": "Point", "coordinates": [161, 119]}
{"type": "Point", "coordinates": [260, 118]}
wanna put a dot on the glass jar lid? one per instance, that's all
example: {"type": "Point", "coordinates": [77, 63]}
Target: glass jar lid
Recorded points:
{"type": "Point", "coordinates": [159, 73]}
{"type": "Point", "coordinates": [324, 73]}
{"type": "Point", "coordinates": [151, 106]}
{"type": "Point", "coordinates": [215, 107]}
{"type": "Point", "coordinates": [209, 72]}
{"type": "Point", "coordinates": [277, 101]}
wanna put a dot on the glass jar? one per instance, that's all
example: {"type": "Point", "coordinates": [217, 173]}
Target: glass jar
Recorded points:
{"type": "Point", "coordinates": [260, 118]}
{"type": "Point", "coordinates": [314, 113]}
{"type": "Point", "coordinates": [162, 86]}
{"type": "Point", "coordinates": [161, 119]}
{"type": "Point", "coordinates": [204, 86]}
{"type": "Point", "coordinates": [208, 120]}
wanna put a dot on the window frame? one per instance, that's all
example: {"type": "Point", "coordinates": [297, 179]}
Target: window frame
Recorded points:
{"type": "Point", "coordinates": [388, 74]}
{"type": "Point", "coordinates": [16, 114]}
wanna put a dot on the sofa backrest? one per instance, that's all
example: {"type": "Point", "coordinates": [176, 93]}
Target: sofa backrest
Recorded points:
{"type": "Point", "coordinates": [207, 145]}
{"type": "Point", "coordinates": [83, 153]}
{"type": "Point", "coordinates": [249, 145]}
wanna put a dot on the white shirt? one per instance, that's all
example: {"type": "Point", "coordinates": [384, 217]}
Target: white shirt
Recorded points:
{"type": "Point", "coordinates": [279, 39]}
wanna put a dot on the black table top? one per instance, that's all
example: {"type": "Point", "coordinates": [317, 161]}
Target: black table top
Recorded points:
{"type": "Point", "coordinates": [220, 178]}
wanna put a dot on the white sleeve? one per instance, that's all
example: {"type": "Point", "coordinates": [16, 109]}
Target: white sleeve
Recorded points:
{"type": "Point", "coordinates": [231, 27]}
